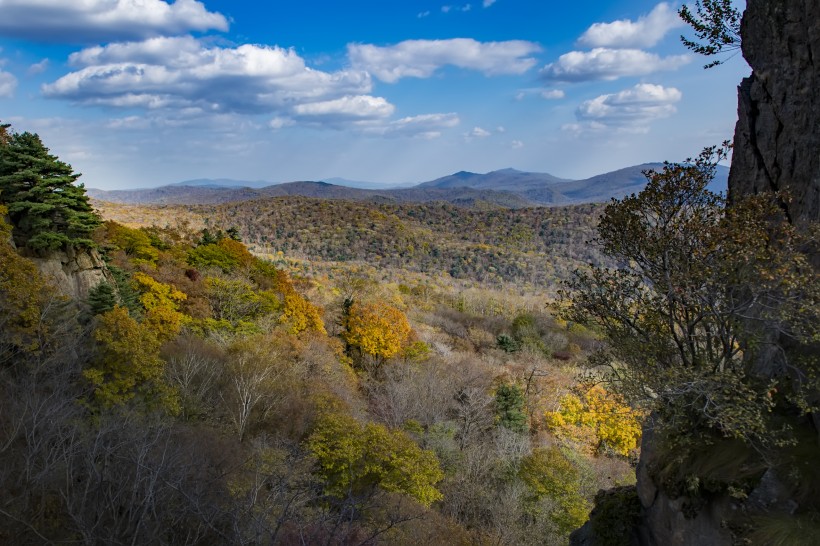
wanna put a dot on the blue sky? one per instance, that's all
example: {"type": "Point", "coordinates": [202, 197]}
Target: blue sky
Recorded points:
{"type": "Point", "coordinates": [139, 93]}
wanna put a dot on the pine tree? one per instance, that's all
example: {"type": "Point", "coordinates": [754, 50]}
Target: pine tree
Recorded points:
{"type": "Point", "coordinates": [47, 209]}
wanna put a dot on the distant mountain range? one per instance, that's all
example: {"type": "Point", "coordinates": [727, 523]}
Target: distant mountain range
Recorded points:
{"type": "Point", "coordinates": [505, 187]}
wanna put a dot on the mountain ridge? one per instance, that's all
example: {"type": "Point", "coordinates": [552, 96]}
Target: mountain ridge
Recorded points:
{"type": "Point", "coordinates": [508, 187]}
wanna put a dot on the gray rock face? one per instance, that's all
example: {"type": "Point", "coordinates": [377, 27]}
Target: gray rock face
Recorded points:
{"type": "Point", "coordinates": [74, 271]}
{"type": "Point", "coordinates": [777, 137]}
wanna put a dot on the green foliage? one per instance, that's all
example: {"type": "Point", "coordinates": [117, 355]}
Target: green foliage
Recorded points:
{"type": "Point", "coordinates": [786, 530]}
{"type": "Point", "coordinates": [102, 298]}
{"type": "Point", "coordinates": [47, 209]}
{"type": "Point", "coordinates": [236, 301]}
{"type": "Point", "coordinates": [227, 255]}
{"type": "Point", "coordinates": [507, 343]}
{"type": "Point", "coordinates": [616, 514]}
{"type": "Point", "coordinates": [129, 297]}
{"type": "Point", "coordinates": [551, 475]}
{"type": "Point", "coordinates": [128, 364]}
{"type": "Point", "coordinates": [354, 459]}
{"type": "Point", "coordinates": [509, 407]}
{"type": "Point", "coordinates": [136, 243]}
{"type": "Point", "coordinates": [24, 300]}
{"type": "Point", "coordinates": [716, 24]}
{"type": "Point", "coordinates": [700, 292]}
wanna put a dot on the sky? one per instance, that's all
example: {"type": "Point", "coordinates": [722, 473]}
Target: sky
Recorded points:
{"type": "Point", "coordinates": [142, 93]}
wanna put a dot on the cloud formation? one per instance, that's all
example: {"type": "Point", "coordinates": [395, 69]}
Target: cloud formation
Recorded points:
{"type": "Point", "coordinates": [629, 110]}
{"type": "Point", "coordinates": [552, 94]}
{"type": "Point", "coordinates": [609, 64]}
{"type": "Point", "coordinates": [104, 20]}
{"type": "Point", "coordinates": [647, 31]}
{"type": "Point", "coordinates": [183, 73]}
{"type": "Point", "coordinates": [421, 58]}
{"type": "Point", "coordinates": [8, 83]}
{"type": "Point", "coordinates": [346, 108]}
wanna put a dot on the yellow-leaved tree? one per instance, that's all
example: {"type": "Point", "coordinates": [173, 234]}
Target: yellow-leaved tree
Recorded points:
{"type": "Point", "coordinates": [378, 329]}
{"type": "Point", "coordinates": [597, 418]}
{"type": "Point", "coordinates": [161, 302]}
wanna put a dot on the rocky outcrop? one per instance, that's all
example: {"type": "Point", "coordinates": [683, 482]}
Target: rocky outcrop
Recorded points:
{"type": "Point", "coordinates": [777, 137]}
{"type": "Point", "coordinates": [74, 272]}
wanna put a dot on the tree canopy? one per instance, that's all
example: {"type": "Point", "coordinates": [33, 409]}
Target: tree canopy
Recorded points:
{"type": "Point", "coordinates": [47, 208]}
{"type": "Point", "coordinates": [692, 308]}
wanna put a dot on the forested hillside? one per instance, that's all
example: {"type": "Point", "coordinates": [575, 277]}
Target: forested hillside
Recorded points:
{"type": "Point", "coordinates": [536, 247]}
{"type": "Point", "coordinates": [202, 394]}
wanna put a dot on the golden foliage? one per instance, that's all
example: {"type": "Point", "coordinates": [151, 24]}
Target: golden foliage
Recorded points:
{"type": "Point", "coordinates": [600, 419]}
{"type": "Point", "coordinates": [378, 329]}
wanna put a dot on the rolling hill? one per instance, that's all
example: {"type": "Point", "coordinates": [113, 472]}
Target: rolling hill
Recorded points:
{"type": "Point", "coordinates": [505, 188]}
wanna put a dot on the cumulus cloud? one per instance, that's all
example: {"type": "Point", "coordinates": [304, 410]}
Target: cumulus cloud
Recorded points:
{"type": "Point", "coordinates": [346, 108]}
{"type": "Point", "coordinates": [647, 31]}
{"type": "Point", "coordinates": [427, 126]}
{"type": "Point", "coordinates": [628, 110]}
{"type": "Point", "coordinates": [8, 83]}
{"type": "Point", "coordinates": [488, 3]}
{"type": "Point", "coordinates": [104, 20]}
{"type": "Point", "coordinates": [183, 73]}
{"type": "Point", "coordinates": [552, 94]}
{"type": "Point", "coordinates": [421, 58]}
{"type": "Point", "coordinates": [38, 68]}
{"type": "Point", "coordinates": [609, 64]}
{"type": "Point", "coordinates": [479, 132]}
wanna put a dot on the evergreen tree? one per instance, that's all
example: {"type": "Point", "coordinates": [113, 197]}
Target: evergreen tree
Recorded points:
{"type": "Point", "coordinates": [509, 407]}
{"type": "Point", "coordinates": [47, 209]}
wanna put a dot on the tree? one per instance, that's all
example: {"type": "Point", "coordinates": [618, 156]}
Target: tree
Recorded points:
{"type": "Point", "coordinates": [600, 418]}
{"type": "Point", "coordinates": [47, 209]}
{"type": "Point", "coordinates": [378, 329]}
{"type": "Point", "coordinates": [128, 364]}
{"type": "Point", "coordinates": [552, 477]}
{"type": "Point", "coordinates": [509, 407]}
{"type": "Point", "coordinates": [716, 24]}
{"type": "Point", "coordinates": [354, 459]}
{"type": "Point", "coordinates": [690, 309]}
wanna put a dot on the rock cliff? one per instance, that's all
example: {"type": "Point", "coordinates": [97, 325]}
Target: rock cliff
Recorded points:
{"type": "Point", "coordinates": [74, 271]}
{"type": "Point", "coordinates": [777, 137]}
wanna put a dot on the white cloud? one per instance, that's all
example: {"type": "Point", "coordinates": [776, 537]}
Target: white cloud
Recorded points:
{"type": "Point", "coordinates": [552, 94]}
{"type": "Point", "coordinates": [488, 3]}
{"type": "Point", "coordinates": [183, 73]}
{"type": "Point", "coordinates": [423, 14]}
{"type": "Point", "coordinates": [464, 8]}
{"type": "Point", "coordinates": [500, 129]}
{"type": "Point", "coordinates": [516, 144]}
{"type": "Point", "coordinates": [84, 21]}
{"type": "Point", "coordinates": [427, 126]}
{"type": "Point", "coordinates": [280, 123]}
{"type": "Point", "coordinates": [421, 58]}
{"type": "Point", "coordinates": [38, 68]}
{"type": "Point", "coordinates": [478, 132]}
{"type": "Point", "coordinates": [349, 107]}
{"type": "Point", "coordinates": [8, 83]}
{"type": "Point", "coordinates": [609, 64]}
{"type": "Point", "coordinates": [647, 31]}
{"type": "Point", "coordinates": [629, 110]}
